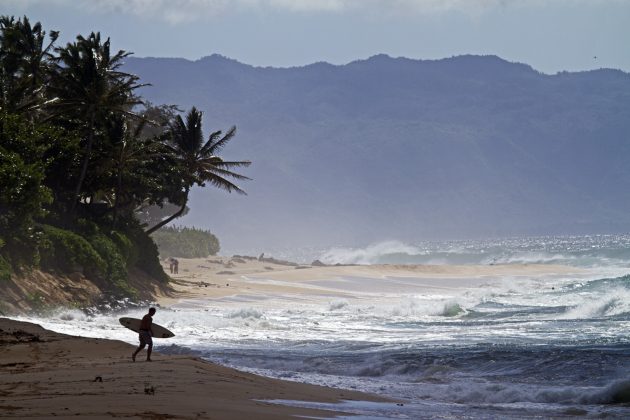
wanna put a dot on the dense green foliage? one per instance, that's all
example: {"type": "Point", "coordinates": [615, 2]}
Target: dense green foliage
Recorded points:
{"type": "Point", "coordinates": [5, 270]}
{"type": "Point", "coordinates": [82, 156]}
{"type": "Point", "coordinates": [186, 242]}
{"type": "Point", "coordinates": [68, 251]}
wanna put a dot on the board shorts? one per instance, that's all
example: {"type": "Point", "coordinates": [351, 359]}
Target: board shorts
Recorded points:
{"type": "Point", "coordinates": [145, 337]}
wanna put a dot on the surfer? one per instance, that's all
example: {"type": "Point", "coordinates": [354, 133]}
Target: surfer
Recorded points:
{"type": "Point", "coordinates": [145, 335]}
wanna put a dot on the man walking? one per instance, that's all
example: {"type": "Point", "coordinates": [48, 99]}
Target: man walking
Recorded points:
{"type": "Point", "coordinates": [145, 335]}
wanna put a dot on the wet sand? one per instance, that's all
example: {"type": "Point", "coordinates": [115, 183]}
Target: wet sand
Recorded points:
{"type": "Point", "coordinates": [49, 375]}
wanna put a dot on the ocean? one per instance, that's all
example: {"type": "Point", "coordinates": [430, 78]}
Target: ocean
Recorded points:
{"type": "Point", "coordinates": [551, 345]}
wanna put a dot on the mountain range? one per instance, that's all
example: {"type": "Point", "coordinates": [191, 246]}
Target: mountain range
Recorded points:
{"type": "Point", "coordinates": [395, 148]}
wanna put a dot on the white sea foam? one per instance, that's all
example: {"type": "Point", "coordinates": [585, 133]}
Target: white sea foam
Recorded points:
{"type": "Point", "coordinates": [373, 254]}
{"type": "Point", "coordinates": [591, 305]}
{"type": "Point", "coordinates": [245, 313]}
{"type": "Point", "coordinates": [596, 251]}
{"type": "Point", "coordinates": [338, 304]}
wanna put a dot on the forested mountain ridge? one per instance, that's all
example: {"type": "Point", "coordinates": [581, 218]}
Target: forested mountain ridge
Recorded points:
{"type": "Point", "coordinates": [409, 149]}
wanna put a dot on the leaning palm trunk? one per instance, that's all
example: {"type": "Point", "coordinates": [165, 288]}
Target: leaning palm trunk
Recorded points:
{"type": "Point", "coordinates": [86, 161]}
{"type": "Point", "coordinates": [170, 218]}
{"type": "Point", "coordinates": [117, 198]}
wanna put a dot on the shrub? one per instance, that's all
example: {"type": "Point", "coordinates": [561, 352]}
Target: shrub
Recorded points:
{"type": "Point", "coordinates": [5, 270]}
{"type": "Point", "coordinates": [116, 267]}
{"type": "Point", "coordinates": [126, 247]}
{"type": "Point", "coordinates": [98, 256]}
{"type": "Point", "coordinates": [67, 251]}
{"type": "Point", "coordinates": [186, 242]}
{"type": "Point", "coordinates": [148, 259]}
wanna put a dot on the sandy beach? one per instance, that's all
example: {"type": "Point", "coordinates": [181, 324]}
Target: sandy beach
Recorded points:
{"type": "Point", "coordinates": [221, 277]}
{"type": "Point", "coordinates": [45, 374]}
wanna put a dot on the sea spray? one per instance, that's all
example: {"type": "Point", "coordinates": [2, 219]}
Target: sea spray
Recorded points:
{"type": "Point", "coordinates": [592, 251]}
{"type": "Point", "coordinates": [452, 309]}
{"type": "Point", "coordinates": [380, 253]}
{"type": "Point", "coordinates": [245, 313]}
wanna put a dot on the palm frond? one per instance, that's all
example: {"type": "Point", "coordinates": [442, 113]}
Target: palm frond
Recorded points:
{"type": "Point", "coordinates": [224, 184]}
{"type": "Point", "coordinates": [220, 144]}
{"type": "Point", "coordinates": [214, 171]}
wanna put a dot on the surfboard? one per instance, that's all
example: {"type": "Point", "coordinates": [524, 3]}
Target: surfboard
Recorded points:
{"type": "Point", "coordinates": [134, 325]}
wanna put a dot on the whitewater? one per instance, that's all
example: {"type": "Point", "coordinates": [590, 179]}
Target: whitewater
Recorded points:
{"type": "Point", "coordinates": [530, 345]}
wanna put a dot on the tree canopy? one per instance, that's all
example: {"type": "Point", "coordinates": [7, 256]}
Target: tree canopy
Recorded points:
{"type": "Point", "coordinates": [83, 156]}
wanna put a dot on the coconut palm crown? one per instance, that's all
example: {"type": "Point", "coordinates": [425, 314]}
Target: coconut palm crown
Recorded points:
{"type": "Point", "coordinates": [199, 159]}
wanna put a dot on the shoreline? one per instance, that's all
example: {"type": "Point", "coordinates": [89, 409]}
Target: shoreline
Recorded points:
{"type": "Point", "coordinates": [46, 374]}
{"type": "Point", "coordinates": [217, 278]}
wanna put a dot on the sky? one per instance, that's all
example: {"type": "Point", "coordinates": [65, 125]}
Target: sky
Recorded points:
{"type": "Point", "coordinates": [549, 35]}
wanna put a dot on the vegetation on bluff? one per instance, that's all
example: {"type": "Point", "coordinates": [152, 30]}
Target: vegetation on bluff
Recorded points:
{"type": "Point", "coordinates": [186, 242]}
{"type": "Point", "coordinates": [83, 157]}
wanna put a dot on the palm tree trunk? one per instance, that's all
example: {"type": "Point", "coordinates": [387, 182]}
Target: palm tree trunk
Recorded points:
{"type": "Point", "coordinates": [116, 198]}
{"type": "Point", "coordinates": [170, 218]}
{"type": "Point", "coordinates": [86, 161]}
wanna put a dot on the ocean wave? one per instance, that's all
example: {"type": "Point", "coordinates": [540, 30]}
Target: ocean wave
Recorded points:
{"type": "Point", "coordinates": [599, 251]}
{"type": "Point", "coordinates": [245, 313]}
{"type": "Point", "coordinates": [337, 304]}
{"type": "Point", "coordinates": [379, 253]}
{"type": "Point", "coordinates": [611, 303]}
{"type": "Point", "coordinates": [616, 392]}
{"type": "Point", "coordinates": [511, 375]}
{"type": "Point", "coordinates": [418, 309]}
{"type": "Point", "coordinates": [531, 258]}
{"type": "Point", "coordinates": [452, 309]}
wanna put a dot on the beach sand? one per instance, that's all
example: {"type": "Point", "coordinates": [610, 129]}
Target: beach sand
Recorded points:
{"type": "Point", "coordinates": [225, 277]}
{"type": "Point", "coordinates": [49, 375]}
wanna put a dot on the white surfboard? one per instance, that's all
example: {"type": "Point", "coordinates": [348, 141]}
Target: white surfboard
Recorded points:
{"type": "Point", "coordinates": [134, 325]}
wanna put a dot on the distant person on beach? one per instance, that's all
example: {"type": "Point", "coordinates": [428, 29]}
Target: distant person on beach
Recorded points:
{"type": "Point", "coordinates": [175, 266]}
{"type": "Point", "coordinates": [145, 335]}
{"type": "Point", "coordinates": [171, 264]}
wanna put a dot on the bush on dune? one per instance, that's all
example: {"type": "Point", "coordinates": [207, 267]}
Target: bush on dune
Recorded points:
{"type": "Point", "coordinates": [68, 251]}
{"type": "Point", "coordinates": [97, 256]}
{"type": "Point", "coordinates": [186, 242]}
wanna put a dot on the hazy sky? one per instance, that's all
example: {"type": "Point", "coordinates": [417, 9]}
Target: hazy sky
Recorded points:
{"type": "Point", "coordinates": [550, 35]}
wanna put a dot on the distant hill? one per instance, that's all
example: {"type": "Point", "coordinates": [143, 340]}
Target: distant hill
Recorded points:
{"type": "Point", "coordinates": [394, 148]}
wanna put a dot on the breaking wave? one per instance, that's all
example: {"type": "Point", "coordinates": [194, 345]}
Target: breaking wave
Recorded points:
{"type": "Point", "coordinates": [582, 251]}
{"type": "Point", "coordinates": [380, 253]}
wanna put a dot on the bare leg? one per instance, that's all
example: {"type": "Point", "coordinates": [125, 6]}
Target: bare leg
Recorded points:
{"type": "Point", "coordinates": [149, 349]}
{"type": "Point", "coordinates": [140, 347]}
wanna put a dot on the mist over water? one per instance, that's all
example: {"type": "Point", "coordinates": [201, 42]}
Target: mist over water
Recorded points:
{"type": "Point", "coordinates": [530, 345]}
{"type": "Point", "coordinates": [581, 251]}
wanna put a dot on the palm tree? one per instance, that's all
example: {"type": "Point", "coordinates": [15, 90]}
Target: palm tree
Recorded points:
{"type": "Point", "coordinates": [142, 167]}
{"type": "Point", "coordinates": [24, 63]}
{"type": "Point", "coordinates": [88, 85]}
{"type": "Point", "coordinates": [199, 160]}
